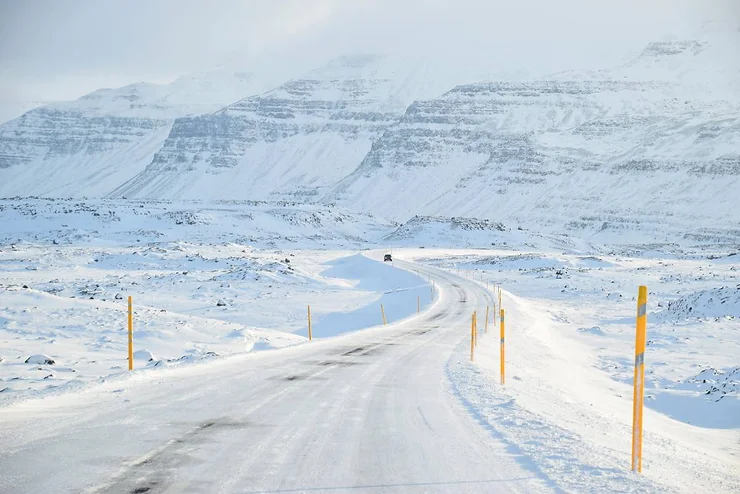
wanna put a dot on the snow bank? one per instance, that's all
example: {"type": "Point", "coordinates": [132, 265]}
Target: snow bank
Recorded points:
{"type": "Point", "coordinates": [397, 290]}
{"type": "Point", "coordinates": [441, 231]}
{"type": "Point", "coordinates": [708, 399]}
{"type": "Point", "coordinates": [40, 360]}
{"type": "Point", "coordinates": [716, 302]}
{"type": "Point", "coordinates": [144, 356]}
{"type": "Point", "coordinates": [263, 224]}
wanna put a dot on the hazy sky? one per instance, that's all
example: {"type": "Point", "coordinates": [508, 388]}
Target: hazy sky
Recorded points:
{"type": "Point", "coordinates": [61, 49]}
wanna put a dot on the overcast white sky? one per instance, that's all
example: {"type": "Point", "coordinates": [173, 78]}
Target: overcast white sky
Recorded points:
{"type": "Point", "coordinates": [60, 49]}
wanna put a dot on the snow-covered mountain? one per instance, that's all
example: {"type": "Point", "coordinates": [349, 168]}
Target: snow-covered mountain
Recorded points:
{"type": "Point", "coordinates": [295, 141]}
{"type": "Point", "coordinates": [91, 145]}
{"type": "Point", "coordinates": [644, 146]}
{"type": "Point", "coordinates": [649, 146]}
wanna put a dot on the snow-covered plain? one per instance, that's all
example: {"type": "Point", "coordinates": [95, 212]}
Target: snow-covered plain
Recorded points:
{"type": "Point", "coordinates": [214, 282]}
{"type": "Point", "coordinates": [570, 356]}
{"type": "Point", "coordinates": [68, 268]}
{"type": "Point", "coordinates": [693, 342]}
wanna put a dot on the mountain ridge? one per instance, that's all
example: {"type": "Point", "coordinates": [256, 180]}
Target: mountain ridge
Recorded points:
{"type": "Point", "coordinates": [647, 146]}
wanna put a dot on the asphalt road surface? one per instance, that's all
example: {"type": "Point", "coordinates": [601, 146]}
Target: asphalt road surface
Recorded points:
{"type": "Point", "coordinates": [371, 411]}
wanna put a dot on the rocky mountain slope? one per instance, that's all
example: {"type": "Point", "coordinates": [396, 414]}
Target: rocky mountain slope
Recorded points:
{"type": "Point", "coordinates": [647, 149]}
{"type": "Point", "coordinates": [89, 146]}
{"type": "Point", "coordinates": [596, 153]}
{"type": "Point", "coordinates": [295, 141]}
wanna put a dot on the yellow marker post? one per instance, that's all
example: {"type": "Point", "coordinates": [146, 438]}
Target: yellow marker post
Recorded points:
{"type": "Point", "coordinates": [382, 312]}
{"type": "Point", "coordinates": [485, 328]}
{"type": "Point", "coordinates": [130, 334]}
{"type": "Point", "coordinates": [503, 370]}
{"type": "Point", "coordinates": [310, 335]}
{"type": "Point", "coordinates": [639, 391]}
{"type": "Point", "coordinates": [472, 338]}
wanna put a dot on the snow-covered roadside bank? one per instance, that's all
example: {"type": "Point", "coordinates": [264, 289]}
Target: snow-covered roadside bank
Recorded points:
{"type": "Point", "coordinates": [182, 318]}
{"type": "Point", "coordinates": [557, 454]}
{"type": "Point", "coordinates": [400, 293]}
{"type": "Point", "coordinates": [199, 290]}
{"type": "Point", "coordinates": [566, 406]}
{"type": "Point", "coordinates": [574, 425]}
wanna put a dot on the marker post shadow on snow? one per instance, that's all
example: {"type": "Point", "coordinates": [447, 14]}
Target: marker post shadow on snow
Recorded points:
{"type": "Point", "coordinates": [310, 333]}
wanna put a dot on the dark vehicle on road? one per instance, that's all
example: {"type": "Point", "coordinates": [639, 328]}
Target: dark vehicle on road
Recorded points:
{"type": "Point", "coordinates": [387, 258]}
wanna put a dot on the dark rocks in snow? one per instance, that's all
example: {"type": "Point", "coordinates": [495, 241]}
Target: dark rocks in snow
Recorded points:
{"type": "Point", "coordinates": [719, 383]}
{"type": "Point", "coordinates": [721, 302]}
{"type": "Point", "coordinates": [118, 296]}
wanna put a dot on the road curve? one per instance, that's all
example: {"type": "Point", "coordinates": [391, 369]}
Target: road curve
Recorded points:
{"type": "Point", "coordinates": [371, 411]}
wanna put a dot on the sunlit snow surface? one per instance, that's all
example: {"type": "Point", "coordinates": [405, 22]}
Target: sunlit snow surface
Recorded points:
{"type": "Point", "coordinates": [211, 280]}
{"type": "Point", "coordinates": [206, 281]}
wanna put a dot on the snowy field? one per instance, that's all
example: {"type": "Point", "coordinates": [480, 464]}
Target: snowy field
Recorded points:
{"type": "Point", "coordinates": [567, 403]}
{"type": "Point", "coordinates": [219, 279]}
{"type": "Point", "coordinates": [582, 306]}
{"type": "Point", "coordinates": [68, 268]}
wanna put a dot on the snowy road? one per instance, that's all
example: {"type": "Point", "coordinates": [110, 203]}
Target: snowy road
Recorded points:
{"type": "Point", "coordinates": [366, 412]}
